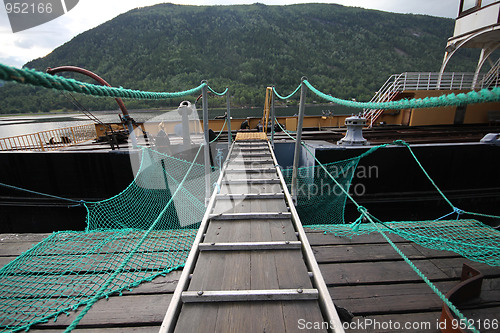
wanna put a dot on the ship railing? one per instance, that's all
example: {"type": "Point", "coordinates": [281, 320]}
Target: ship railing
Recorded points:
{"type": "Point", "coordinates": [420, 81]}
{"type": "Point", "coordinates": [492, 78]}
{"type": "Point", "coordinates": [49, 140]}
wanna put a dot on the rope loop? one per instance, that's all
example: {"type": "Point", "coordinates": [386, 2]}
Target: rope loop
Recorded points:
{"type": "Point", "coordinates": [400, 143]}
{"type": "Point", "coordinates": [362, 210]}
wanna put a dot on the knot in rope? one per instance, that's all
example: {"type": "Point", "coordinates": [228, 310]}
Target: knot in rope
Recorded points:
{"type": "Point", "coordinates": [400, 143]}
{"type": "Point", "coordinates": [355, 226]}
{"type": "Point", "coordinates": [80, 203]}
{"type": "Point", "coordinates": [458, 211]}
{"type": "Point", "coordinates": [362, 210]}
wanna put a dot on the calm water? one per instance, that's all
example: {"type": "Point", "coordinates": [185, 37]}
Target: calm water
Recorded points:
{"type": "Point", "coordinates": [19, 125]}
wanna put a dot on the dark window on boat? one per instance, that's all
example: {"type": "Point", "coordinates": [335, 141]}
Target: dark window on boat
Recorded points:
{"type": "Point", "coordinates": [467, 5]}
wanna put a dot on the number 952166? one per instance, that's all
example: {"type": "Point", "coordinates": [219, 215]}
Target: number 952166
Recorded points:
{"type": "Point", "coordinates": [28, 8]}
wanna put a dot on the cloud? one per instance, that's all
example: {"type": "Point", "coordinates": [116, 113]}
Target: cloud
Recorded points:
{"type": "Point", "coordinates": [24, 43]}
{"type": "Point", "coordinates": [442, 8]}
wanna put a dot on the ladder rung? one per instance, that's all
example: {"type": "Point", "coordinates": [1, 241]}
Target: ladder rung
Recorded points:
{"type": "Point", "coordinates": [252, 148]}
{"type": "Point", "coordinates": [253, 170]}
{"type": "Point", "coordinates": [249, 295]}
{"type": "Point", "coordinates": [252, 181]}
{"type": "Point", "coordinates": [250, 196]}
{"type": "Point", "coordinates": [250, 246]}
{"type": "Point", "coordinates": [249, 155]}
{"type": "Point", "coordinates": [250, 161]}
{"type": "Point", "coordinates": [247, 216]}
{"type": "Point", "coordinates": [251, 144]}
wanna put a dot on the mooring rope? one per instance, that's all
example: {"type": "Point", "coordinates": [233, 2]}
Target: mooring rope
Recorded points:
{"type": "Point", "coordinates": [33, 77]}
{"type": "Point", "coordinates": [37, 78]}
{"type": "Point", "coordinates": [482, 96]}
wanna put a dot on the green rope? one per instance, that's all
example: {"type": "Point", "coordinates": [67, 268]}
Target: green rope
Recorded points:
{"type": "Point", "coordinates": [285, 97]}
{"type": "Point", "coordinates": [403, 143]}
{"type": "Point", "coordinates": [223, 126]}
{"type": "Point", "coordinates": [216, 93]}
{"type": "Point", "coordinates": [36, 78]}
{"type": "Point", "coordinates": [101, 292]}
{"type": "Point", "coordinates": [455, 209]}
{"type": "Point", "coordinates": [79, 202]}
{"type": "Point", "coordinates": [482, 96]}
{"type": "Point", "coordinates": [422, 275]}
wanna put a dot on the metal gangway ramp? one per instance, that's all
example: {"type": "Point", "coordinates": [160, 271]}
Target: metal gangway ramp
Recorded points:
{"type": "Point", "coordinates": [251, 268]}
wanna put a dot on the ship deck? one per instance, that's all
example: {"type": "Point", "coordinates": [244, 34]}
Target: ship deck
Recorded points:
{"type": "Point", "coordinates": [439, 134]}
{"type": "Point", "coordinates": [364, 275]}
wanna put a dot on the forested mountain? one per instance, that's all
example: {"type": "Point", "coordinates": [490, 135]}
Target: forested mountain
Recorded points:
{"type": "Point", "coordinates": [345, 51]}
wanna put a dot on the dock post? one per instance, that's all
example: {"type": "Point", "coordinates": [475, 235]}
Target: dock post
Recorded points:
{"type": "Point", "coordinates": [229, 135]}
{"type": "Point", "coordinates": [207, 143]}
{"type": "Point", "coordinates": [273, 117]}
{"type": "Point", "coordinates": [296, 156]}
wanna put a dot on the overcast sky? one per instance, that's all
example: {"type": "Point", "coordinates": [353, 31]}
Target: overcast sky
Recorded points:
{"type": "Point", "coordinates": [18, 48]}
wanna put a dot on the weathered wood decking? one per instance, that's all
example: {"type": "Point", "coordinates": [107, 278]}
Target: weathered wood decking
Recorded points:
{"type": "Point", "coordinates": [364, 275]}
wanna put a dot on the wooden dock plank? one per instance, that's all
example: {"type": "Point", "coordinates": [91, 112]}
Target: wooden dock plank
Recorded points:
{"type": "Point", "coordinates": [452, 267]}
{"type": "Point", "coordinates": [133, 310]}
{"type": "Point", "coordinates": [234, 270]}
{"type": "Point", "coordinates": [389, 298]}
{"type": "Point", "coordinates": [235, 273]}
{"type": "Point", "coordinates": [192, 313]}
{"type": "Point", "coordinates": [267, 278]}
{"type": "Point", "coordinates": [352, 253]}
{"type": "Point", "coordinates": [295, 313]}
{"type": "Point", "coordinates": [380, 272]}
{"type": "Point", "coordinates": [392, 292]}
{"type": "Point", "coordinates": [234, 317]}
{"type": "Point", "coordinates": [144, 329]}
{"type": "Point", "coordinates": [248, 230]}
{"type": "Point", "coordinates": [320, 238]}
{"type": "Point", "coordinates": [292, 272]}
{"type": "Point", "coordinates": [425, 322]}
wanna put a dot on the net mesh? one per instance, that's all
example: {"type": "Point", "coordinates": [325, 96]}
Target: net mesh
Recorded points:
{"type": "Point", "coordinates": [143, 202]}
{"type": "Point", "coordinates": [320, 200]}
{"type": "Point", "coordinates": [469, 238]}
{"type": "Point", "coordinates": [321, 206]}
{"type": "Point", "coordinates": [142, 233]}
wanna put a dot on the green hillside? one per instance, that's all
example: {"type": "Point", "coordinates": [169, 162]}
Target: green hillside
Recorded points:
{"type": "Point", "coordinates": [348, 52]}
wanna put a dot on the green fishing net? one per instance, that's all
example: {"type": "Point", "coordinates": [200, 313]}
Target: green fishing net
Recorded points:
{"type": "Point", "coordinates": [321, 205]}
{"type": "Point", "coordinates": [467, 237]}
{"type": "Point", "coordinates": [319, 199]}
{"type": "Point", "coordinates": [144, 232]}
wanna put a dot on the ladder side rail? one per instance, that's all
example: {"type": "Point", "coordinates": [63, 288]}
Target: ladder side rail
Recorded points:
{"type": "Point", "coordinates": [381, 94]}
{"type": "Point", "coordinates": [171, 316]}
{"type": "Point", "coordinates": [325, 300]}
